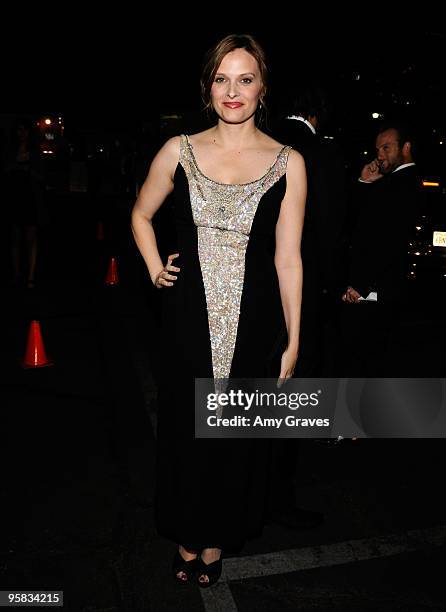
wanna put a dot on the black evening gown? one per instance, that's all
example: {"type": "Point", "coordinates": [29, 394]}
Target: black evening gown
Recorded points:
{"type": "Point", "coordinates": [223, 318]}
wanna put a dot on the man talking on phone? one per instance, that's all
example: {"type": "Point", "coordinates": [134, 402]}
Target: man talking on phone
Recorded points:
{"type": "Point", "coordinates": [388, 197]}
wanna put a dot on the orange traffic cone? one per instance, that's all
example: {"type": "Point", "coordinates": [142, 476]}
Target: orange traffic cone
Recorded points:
{"type": "Point", "coordinates": [35, 354]}
{"type": "Point", "coordinates": [112, 274]}
{"type": "Point", "coordinates": [100, 232]}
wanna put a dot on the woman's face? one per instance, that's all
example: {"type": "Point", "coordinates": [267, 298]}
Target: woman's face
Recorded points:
{"type": "Point", "coordinates": [237, 87]}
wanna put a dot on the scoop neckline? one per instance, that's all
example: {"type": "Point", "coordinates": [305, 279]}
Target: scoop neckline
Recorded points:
{"type": "Point", "coordinates": [191, 148]}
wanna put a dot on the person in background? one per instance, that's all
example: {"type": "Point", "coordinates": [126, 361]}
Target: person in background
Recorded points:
{"type": "Point", "coordinates": [323, 233]}
{"type": "Point", "coordinates": [388, 197]}
{"type": "Point", "coordinates": [322, 239]}
{"type": "Point", "coordinates": [24, 196]}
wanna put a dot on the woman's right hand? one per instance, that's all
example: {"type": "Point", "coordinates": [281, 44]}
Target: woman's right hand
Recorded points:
{"type": "Point", "coordinates": [165, 278]}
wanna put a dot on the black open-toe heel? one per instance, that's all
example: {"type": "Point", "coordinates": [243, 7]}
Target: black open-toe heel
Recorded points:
{"type": "Point", "coordinates": [211, 570]}
{"type": "Point", "coordinates": [187, 567]}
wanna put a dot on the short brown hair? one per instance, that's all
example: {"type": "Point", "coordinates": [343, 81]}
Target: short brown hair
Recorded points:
{"type": "Point", "coordinates": [215, 56]}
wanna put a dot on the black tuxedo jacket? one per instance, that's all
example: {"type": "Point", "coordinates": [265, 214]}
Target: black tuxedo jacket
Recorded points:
{"type": "Point", "coordinates": [325, 209]}
{"type": "Point", "coordinates": [386, 216]}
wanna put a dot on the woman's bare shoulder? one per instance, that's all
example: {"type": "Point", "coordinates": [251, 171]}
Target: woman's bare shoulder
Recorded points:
{"type": "Point", "coordinates": [169, 154]}
{"type": "Point", "coordinates": [203, 137]}
{"type": "Point", "coordinates": [269, 140]}
{"type": "Point", "coordinates": [296, 158]}
{"type": "Point", "coordinates": [295, 161]}
{"type": "Point", "coordinates": [295, 168]}
{"type": "Point", "coordinates": [171, 147]}
{"type": "Point", "coordinates": [270, 143]}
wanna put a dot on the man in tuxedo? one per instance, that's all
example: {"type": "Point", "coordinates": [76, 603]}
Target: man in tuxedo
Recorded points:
{"type": "Point", "coordinates": [387, 200]}
{"type": "Point", "coordinates": [321, 259]}
{"type": "Point", "coordinates": [322, 237]}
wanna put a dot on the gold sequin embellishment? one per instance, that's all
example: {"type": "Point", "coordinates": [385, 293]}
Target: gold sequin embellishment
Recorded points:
{"type": "Point", "coordinates": [223, 214]}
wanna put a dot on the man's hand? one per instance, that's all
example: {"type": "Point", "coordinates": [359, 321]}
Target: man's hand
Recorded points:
{"type": "Point", "coordinates": [371, 172]}
{"type": "Point", "coordinates": [351, 296]}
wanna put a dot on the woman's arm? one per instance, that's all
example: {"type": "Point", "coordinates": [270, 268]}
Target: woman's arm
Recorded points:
{"type": "Point", "coordinates": [287, 257]}
{"type": "Point", "coordinates": [156, 187]}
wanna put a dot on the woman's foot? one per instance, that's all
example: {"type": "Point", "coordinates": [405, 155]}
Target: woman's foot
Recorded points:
{"type": "Point", "coordinates": [184, 564]}
{"type": "Point", "coordinates": [209, 567]}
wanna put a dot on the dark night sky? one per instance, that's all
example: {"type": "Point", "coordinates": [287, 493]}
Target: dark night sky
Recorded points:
{"type": "Point", "coordinates": [87, 66]}
{"type": "Point", "coordinates": [114, 73]}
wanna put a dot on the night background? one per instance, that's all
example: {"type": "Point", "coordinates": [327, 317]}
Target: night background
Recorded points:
{"type": "Point", "coordinates": [78, 444]}
{"type": "Point", "coordinates": [117, 74]}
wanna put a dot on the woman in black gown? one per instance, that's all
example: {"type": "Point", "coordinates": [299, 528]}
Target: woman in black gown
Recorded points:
{"type": "Point", "coordinates": [231, 290]}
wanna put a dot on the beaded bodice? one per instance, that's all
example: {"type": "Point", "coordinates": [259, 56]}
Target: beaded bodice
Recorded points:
{"type": "Point", "coordinates": [223, 214]}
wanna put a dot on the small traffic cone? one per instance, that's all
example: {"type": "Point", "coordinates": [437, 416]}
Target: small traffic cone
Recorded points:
{"type": "Point", "coordinates": [35, 354]}
{"type": "Point", "coordinates": [112, 273]}
{"type": "Point", "coordinates": [100, 232]}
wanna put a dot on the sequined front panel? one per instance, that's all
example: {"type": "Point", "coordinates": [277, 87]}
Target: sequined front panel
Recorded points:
{"type": "Point", "coordinates": [224, 215]}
